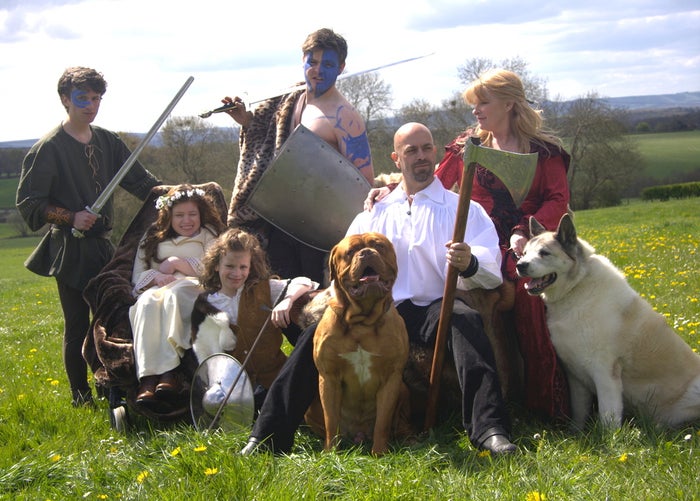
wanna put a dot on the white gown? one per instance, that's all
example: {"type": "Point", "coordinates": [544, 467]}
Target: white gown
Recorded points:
{"type": "Point", "coordinates": [160, 318]}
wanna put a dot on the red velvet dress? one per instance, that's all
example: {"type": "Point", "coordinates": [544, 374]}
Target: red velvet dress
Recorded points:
{"type": "Point", "coordinates": [546, 389]}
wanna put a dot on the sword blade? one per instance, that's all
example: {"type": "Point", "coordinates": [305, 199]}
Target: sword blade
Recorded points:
{"type": "Point", "coordinates": [230, 106]}
{"type": "Point", "coordinates": [97, 206]}
{"type": "Point", "coordinates": [343, 77]}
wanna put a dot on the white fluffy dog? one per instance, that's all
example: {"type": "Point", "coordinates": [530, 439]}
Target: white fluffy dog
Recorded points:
{"type": "Point", "coordinates": [611, 342]}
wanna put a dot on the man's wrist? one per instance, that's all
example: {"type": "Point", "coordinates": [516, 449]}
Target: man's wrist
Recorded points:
{"type": "Point", "coordinates": [471, 269]}
{"type": "Point", "coordinates": [59, 216]}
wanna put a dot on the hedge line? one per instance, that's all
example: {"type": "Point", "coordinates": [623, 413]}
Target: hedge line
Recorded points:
{"type": "Point", "coordinates": [665, 192]}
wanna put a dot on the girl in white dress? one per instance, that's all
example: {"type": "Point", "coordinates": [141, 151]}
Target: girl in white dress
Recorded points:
{"type": "Point", "coordinates": [166, 267]}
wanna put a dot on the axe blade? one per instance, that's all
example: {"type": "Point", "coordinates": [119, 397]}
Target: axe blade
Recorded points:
{"type": "Point", "coordinates": [515, 170]}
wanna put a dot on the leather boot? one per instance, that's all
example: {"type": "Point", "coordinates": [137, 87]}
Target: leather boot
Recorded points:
{"type": "Point", "coordinates": [169, 386]}
{"type": "Point", "coordinates": [147, 389]}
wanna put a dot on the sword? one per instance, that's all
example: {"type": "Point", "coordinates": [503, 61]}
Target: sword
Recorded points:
{"type": "Point", "coordinates": [124, 169]}
{"type": "Point", "coordinates": [231, 106]}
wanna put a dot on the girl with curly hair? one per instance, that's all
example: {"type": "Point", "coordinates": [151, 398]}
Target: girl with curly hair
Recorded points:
{"type": "Point", "coordinates": [240, 294]}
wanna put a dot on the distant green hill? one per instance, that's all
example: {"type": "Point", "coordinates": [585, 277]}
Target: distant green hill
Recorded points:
{"type": "Point", "coordinates": [665, 154]}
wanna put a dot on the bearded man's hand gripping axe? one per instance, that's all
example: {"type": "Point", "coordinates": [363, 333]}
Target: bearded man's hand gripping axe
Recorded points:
{"type": "Point", "coordinates": [516, 171]}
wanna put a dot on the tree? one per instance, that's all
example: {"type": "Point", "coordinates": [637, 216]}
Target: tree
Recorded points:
{"type": "Point", "coordinates": [11, 161]}
{"type": "Point", "coordinates": [188, 144]}
{"type": "Point", "coordinates": [370, 96]}
{"type": "Point", "coordinates": [535, 87]}
{"type": "Point", "coordinates": [603, 159]}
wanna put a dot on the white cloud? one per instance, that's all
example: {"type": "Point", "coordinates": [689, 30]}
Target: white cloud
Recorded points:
{"type": "Point", "coordinates": [147, 48]}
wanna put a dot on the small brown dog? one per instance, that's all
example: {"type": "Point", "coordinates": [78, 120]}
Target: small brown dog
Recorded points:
{"type": "Point", "coordinates": [361, 345]}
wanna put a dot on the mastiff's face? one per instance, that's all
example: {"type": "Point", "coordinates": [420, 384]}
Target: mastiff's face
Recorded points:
{"type": "Point", "coordinates": [364, 269]}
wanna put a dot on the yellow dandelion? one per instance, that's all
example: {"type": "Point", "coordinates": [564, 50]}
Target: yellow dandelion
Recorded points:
{"type": "Point", "coordinates": [102, 496]}
{"type": "Point", "coordinates": [176, 451]}
{"type": "Point", "coordinates": [623, 457]}
{"type": "Point", "coordinates": [55, 458]}
{"type": "Point", "coordinates": [21, 396]}
{"type": "Point", "coordinates": [200, 448]}
{"type": "Point", "coordinates": [535, 496]}
{"type": "Point", "coordinates": [211, 471]}
{"type": "Point", "coordinates": [33, 350]}
{"type": "Point", "coordinates": [54, 382]}
{"type": "Point", "coordinates": [142, 476]}
{"type": "Point", "coordinates": [484, 453]}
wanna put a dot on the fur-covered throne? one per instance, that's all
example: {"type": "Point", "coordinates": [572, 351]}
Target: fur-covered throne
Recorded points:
{"type": "Point", "coordinates": [108, 347]}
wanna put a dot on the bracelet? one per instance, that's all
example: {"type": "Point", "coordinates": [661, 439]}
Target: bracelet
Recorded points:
{"type": "Point", "coordinates": [471, 269]}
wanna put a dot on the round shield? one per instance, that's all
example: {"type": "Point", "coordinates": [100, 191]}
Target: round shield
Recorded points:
{"type": "Point", "coordinates": [221, 395]}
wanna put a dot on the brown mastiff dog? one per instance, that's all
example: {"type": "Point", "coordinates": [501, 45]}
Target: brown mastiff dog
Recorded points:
{"type": "Point", "coordinates": [361, 346]}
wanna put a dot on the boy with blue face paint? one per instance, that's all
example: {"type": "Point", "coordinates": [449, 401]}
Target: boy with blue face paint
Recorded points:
{"type": "Point", "coordinates": [64, 172]}
{"type": "Point", "coordinates": [321, 108]}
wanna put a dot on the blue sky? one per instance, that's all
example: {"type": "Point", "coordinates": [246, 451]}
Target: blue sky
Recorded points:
{"type": "Point", "coordinates": [147, 49]}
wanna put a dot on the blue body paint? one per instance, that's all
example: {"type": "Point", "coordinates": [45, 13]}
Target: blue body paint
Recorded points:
{"type": "Point", "coordinates": [357, 148]}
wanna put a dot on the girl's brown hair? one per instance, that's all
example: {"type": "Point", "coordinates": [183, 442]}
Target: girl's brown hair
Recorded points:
{"type": "Point", "coordinates": [234, 240]}
{"type": "Point", "coordinates": [162, 228]}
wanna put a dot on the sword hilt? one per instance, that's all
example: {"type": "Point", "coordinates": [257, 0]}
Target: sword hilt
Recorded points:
{"type": "Point", "coordinates": [75, 231]}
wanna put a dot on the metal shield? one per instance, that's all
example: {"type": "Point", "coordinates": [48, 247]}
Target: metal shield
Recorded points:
{"type": "Point", "coordinates": [310, 191]}
{"type": "Point", "coordinates": [221, 395]}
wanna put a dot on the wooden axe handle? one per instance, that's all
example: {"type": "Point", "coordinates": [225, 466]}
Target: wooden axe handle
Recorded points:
{"type": "Point", "coordinates": [448, 297]}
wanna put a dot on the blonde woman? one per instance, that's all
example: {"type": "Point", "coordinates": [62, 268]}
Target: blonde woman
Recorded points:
{"type": "Point", "coordinates": [506, 121]}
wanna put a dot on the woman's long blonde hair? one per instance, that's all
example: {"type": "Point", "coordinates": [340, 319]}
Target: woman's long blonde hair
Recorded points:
{"type": "Point", "coordinates": [526, 122]}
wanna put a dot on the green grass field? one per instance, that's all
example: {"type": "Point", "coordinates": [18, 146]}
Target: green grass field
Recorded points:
{"type": "Point", "coordinates": [669, 153]}
{"type": "Point", "coordinates": [50, 451]}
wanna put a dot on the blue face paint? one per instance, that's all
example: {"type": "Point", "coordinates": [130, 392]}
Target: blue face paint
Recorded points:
{"type": "Point", "coordinates": [328, 70]}
{"type": "Point", "coordinates": [79, 98]}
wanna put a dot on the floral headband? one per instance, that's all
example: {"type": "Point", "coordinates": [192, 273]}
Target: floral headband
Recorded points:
{"type": "Point", "coordinates": [168, 200]}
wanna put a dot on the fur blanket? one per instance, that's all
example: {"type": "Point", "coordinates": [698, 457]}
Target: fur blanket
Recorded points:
{"type": "Point", "coordinates": [108, 346]}
{"type": "Point", "coordinates": [269, 128]}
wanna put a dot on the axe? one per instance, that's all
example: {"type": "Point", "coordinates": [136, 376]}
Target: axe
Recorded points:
{"type": "Point", "coordinates": [516, 171]}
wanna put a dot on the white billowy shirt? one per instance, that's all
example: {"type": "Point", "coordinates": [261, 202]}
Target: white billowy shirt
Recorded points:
{"type": "Point", "coordinates": [419, 236]}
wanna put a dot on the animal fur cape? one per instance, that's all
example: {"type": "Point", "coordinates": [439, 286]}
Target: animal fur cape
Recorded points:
{"type": "Point", "coordinates": [259, 142]}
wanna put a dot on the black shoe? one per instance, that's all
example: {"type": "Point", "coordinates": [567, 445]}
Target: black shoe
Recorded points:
{"type": "Point", "coordinates": [498, 444]}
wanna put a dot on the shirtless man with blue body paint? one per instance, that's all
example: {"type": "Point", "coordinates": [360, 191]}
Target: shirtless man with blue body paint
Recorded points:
{"type": "Point", "coordinates": [321, 108]}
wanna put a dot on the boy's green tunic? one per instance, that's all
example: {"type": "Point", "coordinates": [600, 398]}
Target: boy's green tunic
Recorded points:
{"type": "Point", "coordinates": [61, 171]}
